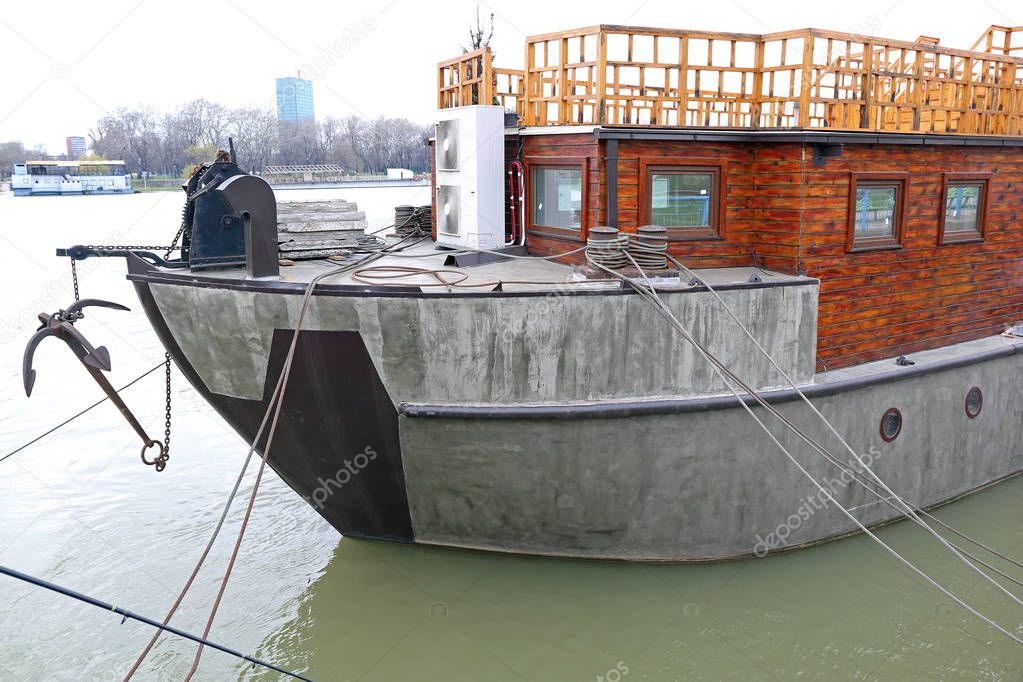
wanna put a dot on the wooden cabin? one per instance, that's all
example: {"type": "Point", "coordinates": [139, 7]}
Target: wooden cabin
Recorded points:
{"type": "Point", "coordinates": [890, 170]}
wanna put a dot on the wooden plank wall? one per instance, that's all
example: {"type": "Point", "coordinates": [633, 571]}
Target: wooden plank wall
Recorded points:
{"type": "Point", "coordinates": [884, 303]}
{"type": "Point", "coordinates": [787, 213]}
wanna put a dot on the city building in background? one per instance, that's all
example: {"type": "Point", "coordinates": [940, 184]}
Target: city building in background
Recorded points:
{"type": "Point", "coordinates": [76, 147]}
{"type": "Point", "coordinates": [294, 99]}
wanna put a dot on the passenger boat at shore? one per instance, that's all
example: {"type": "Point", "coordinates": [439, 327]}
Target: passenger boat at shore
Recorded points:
{"type": "Point", "coordinates": [35, 178]}
{"type": "Point", "coordinates": [511, 383]}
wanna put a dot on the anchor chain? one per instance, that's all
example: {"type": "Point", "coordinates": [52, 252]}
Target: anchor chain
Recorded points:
{"type": "Point", "coordinates": [160, 461]}
{"type": "Point", "coordinates": [167, 423]}
{"type": "Point", "coordinates": [126, 247]}
{"type": "Point", "coordinates": [98, 358]}
{"type": "Point", "coordinates": [74, 279]}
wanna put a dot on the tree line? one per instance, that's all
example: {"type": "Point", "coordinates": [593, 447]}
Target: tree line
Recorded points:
{"type": "Point", "coordinates": [171, 143]}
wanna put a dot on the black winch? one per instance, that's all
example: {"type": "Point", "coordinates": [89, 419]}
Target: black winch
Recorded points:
{"type": "Point", "coordinates": [229, 219]}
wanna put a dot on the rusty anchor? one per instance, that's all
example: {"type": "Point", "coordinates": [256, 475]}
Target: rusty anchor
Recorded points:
{"type": "Point", "coordinates": [96, 360]}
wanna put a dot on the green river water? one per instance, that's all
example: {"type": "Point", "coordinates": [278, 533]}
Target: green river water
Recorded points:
{"type": "Point", "coordinates": [78, 508]}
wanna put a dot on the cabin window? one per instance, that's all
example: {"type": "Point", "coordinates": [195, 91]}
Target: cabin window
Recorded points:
{"type": "Point", "coordinates": [875, 212]}
{"type": "Point", "coordinates": [557, 197]}
{"type": "Point", "coordinates": [964, 205]}
{"type": "Point", "coordinates": [684, 199]}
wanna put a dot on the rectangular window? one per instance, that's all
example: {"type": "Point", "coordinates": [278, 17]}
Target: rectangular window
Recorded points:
{"type": "Point", "coordinates": [875, 212]}
{"type": "Point", "coordinates": [964, 207]}
{"type": "Point", "coordinates": [684, 199]}
{"type": "Point", "coordinates": [557, 198]}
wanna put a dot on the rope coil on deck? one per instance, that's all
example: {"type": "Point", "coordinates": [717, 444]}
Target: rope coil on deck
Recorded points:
{"type": "Point", "coordinates": [606, 246]}
{"type": "Point", "coordinates": [649, 247]}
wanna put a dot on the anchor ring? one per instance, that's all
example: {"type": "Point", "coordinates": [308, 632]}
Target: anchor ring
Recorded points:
{"type": "Point", "coordinates": [160, 461]}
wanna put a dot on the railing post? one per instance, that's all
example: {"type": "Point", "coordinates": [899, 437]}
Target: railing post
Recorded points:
{"type": "Point", "coordinates": [601, 116]}
{"type": "Point", "coordinates": [868, 84]}
{"type": "Point", "coordinates": [966, 121]}
{"type": "Point", "coordinates": [489, 85]}
{"type": "Point", "coordinates": [564, 115]}
{"type": "Point", "coordinates": [528, 115]}
{"type": "Point", "coordinates": [758, 84]}
{"type": "Point", "coordinates": [683, 79]}
{"type": "Point", "coordinates": [919, 90]}
{"type": "Point", "coordinates": [440, 87]}
{"type": "Point", "coordinates": [805, 81]}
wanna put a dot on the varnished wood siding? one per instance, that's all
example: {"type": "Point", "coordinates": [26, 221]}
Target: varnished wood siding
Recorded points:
{"type": "Point", "coordinates": [785, 212]}
{"type": "Point", "coordinates": [883, 303]}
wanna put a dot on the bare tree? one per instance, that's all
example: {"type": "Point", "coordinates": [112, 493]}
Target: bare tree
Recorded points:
{"type": "Point", "coordinates": [10, 154]}
{"type": "Point", "coordinates": [256, 141]}
{"type": "Point", "coordinates": [476, 39]}
{"type": "Point", "coordinates": [172, 143]}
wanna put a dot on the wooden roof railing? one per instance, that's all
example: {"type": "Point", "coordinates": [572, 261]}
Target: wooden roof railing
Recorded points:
{"type": "Point", "coordinates": [1004, 40]}
{"type": "Point", "coordinates": [806, 78]}
{"type": "Point", "coordinates": [467, 79]}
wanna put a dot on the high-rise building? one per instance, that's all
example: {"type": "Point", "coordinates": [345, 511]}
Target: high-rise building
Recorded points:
{"type": "Point", "coordinates": [294, 99]}
{"type": "Point", "coordinates": [75, 147]}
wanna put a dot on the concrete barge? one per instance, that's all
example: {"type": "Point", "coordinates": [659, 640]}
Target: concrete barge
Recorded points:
{"type": "Point", "coordinates": [544, 371]}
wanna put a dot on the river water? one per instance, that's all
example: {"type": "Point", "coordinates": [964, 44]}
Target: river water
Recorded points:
{"type": "Point", "coordinates": [78, 508]}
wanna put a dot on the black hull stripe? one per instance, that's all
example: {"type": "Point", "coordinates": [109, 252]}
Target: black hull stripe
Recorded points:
{"type": "Point", "coordinates": [336, 408]}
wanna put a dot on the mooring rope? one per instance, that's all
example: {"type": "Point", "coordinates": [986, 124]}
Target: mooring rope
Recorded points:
{"type": "Point", "coordinates": [908, 510]}
{"type": "Point", "coordinates": [126, 614]}
{"type": "Point", "coordinates": [650, 296]}
{"type": "Point", "coordinates": [273, 407]}
{"type": "Point", "coordinates": [67, 421]}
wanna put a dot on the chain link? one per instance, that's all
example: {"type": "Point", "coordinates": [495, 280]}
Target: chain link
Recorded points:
{"type": "Point", "coordinates": [167, 423]}
{"type": "Point", "coordinates": [124, 247]}
{"type": "Point", "coordinates": [174, 242]}
{"type": "Point", "coordinates": [160, 461]}
{"type": "Point", "coordinates": [74, 279]}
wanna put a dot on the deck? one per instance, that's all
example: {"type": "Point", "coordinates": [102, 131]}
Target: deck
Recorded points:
{"type": "Point", "coordinates": [516, 275]}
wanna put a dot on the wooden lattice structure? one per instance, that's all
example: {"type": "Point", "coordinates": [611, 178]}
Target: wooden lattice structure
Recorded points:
{"type": "Point", "coordinates": [807, 78]}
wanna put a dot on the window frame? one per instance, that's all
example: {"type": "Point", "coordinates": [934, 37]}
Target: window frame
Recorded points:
{"type": "Point", "coordinates": [666, 165]}
{"type": "Point", "coordinates": [964, 237]}
{"type": "Point", "coordinates": [894, 241]}
{"type": "Point", "coordinates": [581, 163]}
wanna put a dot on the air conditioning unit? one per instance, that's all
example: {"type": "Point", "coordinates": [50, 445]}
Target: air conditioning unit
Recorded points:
{"type": "Point", "coordinates": [470, 177]}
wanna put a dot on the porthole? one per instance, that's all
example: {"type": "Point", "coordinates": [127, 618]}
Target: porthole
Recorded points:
{"type": "Point", "coordinates": [974, 402]}
{"type": "Point", "coordinates": [891, 424]}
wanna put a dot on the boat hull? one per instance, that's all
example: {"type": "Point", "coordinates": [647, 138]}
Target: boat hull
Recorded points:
{"type": "Point", "coordinates": [689, 478]}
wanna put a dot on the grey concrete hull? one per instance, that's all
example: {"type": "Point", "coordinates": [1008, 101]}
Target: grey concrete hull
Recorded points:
{"type": "Point", "coordinates": [498, 426]}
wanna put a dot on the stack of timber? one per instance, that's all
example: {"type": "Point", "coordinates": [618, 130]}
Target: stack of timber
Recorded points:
{"type": "Point", "coordinates": [317, 229]}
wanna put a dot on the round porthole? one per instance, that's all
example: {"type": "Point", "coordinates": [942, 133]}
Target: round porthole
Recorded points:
{"type": "Point", "coordinates": [974, 402]}
{"type": "Point", "coordinates": [891, 424]}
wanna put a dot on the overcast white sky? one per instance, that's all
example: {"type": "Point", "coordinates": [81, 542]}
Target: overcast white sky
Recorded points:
{"type": "Point", "coordinates": [65, 63]}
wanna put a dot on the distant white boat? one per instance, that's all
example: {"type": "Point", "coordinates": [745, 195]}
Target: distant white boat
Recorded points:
{"type": "Point", "coordinates": [70, 177]}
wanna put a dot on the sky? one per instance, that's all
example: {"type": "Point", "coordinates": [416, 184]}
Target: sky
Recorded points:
{"type": "Point", "coordinates": [67, 63]}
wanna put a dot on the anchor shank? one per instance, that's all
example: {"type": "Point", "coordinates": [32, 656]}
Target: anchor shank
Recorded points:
{"type": "Point", "coordinates": [115, 398]}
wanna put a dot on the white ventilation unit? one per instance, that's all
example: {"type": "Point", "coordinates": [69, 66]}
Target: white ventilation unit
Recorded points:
{"type": "Point", "coordinates": [470, 177]}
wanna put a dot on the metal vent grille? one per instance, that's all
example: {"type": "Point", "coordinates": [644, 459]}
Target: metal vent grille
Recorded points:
{"type": "Point", "coordinates": [447, 145]}
{"type": "Point", "coordinates": [448, 206]}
